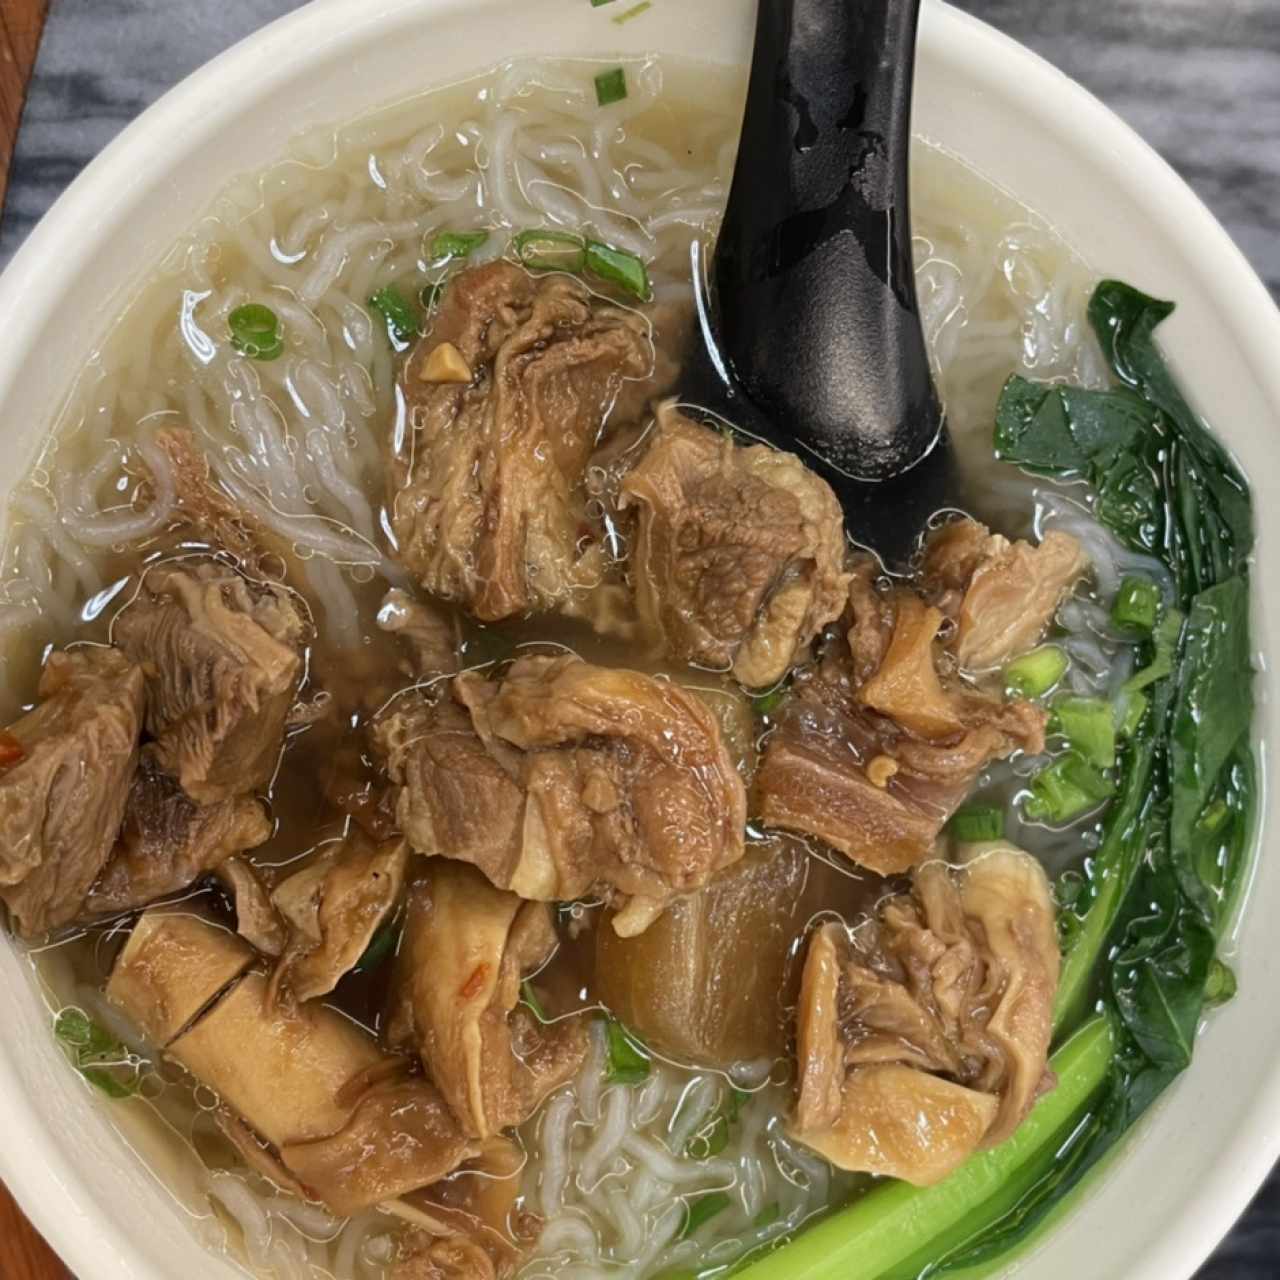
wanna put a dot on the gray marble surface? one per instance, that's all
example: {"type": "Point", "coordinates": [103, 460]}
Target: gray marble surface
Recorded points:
{"type": "Point", "coordinates": [1200, 79]}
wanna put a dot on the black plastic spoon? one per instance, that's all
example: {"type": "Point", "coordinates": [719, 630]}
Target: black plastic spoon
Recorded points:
{"type": "Point", "coordinates": [811, 331]}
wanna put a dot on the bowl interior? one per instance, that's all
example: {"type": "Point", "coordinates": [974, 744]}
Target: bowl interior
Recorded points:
{"type": "Point", "coordinates": [70, 1161]}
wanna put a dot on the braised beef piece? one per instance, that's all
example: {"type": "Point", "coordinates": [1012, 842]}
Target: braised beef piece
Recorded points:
{"type": "Point", "coordinates": [924, 1035]}
{"type": "Point", "coordinates": [431, 637]}
{"type": "Point", "coordinates": [506, 398]}
{"type": "Point", "coordinates": [467, 946]}
{"type": "Point", "coordinates": [223, 658]}
{"type": "Point", "coordinates": [1001, 595]}
{"type": "Point", "coordinates": [878, 744]}
{"type": "Point", "coordinates": [167, 841]}
{"type": "Point", "coordinates": [333, 907]}
{"type": "Point", "coordinates": [738, 554]}
{"type": "Point", "coordinates": [563, 778]}
{"type": "Point", "coordinates": [65, 783]}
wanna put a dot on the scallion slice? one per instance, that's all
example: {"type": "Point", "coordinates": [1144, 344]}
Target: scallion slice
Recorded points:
{"type": "Point", "coordinates": [1089, 725]}
{"type": "Point", "coordinates": [1035, 673]}
{"type": "Point", "coordinates": [634, 12]}
{"type": "Point", "coordinates": [551, 250]}
{"type": "Point", "coordinates": [1220, 986]}
{"type": "Point", "coordinates": [1064, 790]}
{"type": "Point", "coordinates": [255, 331]}
{"type": "Point", "coordinates": [456, 244]}
{"type": "Point", "coordinates": [626, 1064]}
{"type": "Point", "coordinates": [1130, 708]}
{"type": "Point", "coordinates": [618, 267]}
{"type": "Point", "coordinates": [974, 823]}
{"type": "Point", "coordinates": [401, 318]}
{"type": "Point", "coordinates": [1137, 604]}
{"type": "Point", "coordinates": [611, 86]}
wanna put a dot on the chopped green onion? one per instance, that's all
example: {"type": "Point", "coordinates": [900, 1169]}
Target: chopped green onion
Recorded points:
{"type": "Point", "coordinates": [550, 250]}
{"type": "Point", "coordinates": [766, 704]}
{"type": "Point", "coordinates": [530, 997]}
{"type": "Point", "coordinates": [767, 1216]}
{"type": "Point", "coordinates": [710, 1140]}
{"type": "Point", "coordinates": [611, 86]}
{"type": "Point", "coordinates": [456, 244]}
{"type": "Point", "coordinates": [1137, 604]}
{"type": "Point", "coordinates": [256, 332]}
{"type": "Point", "coordinates": [977, 822]}
{"type": "Point", "coordinates": [1089, 725]}
{"type": "Point", "coordinates": [620, 268]}
{"type": "Point", "coordinates": [400, 317]}
{"type": "Point", "coordinates": [1220, 985]}
{"type": "Point", "coordinates": [634, 12]}
{"type": "Point", "coordinates": [1214, 816]}
{"type": "Point", "coordinates": [381, 945]}
{"type": "Point", "coordinates": [1166, 639]}
{"type": "Point", "coordinates": [627, 1064]}
{"type": "Point", "coordinates": [1065, 789]}
{"type": "Point", "coordinates": [700, 1211]}
{"type": "Point", "coordinates": [595, 4]}
{"type": "Point", "coordinates": [1035, 673]}
{"type": "Point", "coordinates": [99, 1055]}
{"type": "Point", "coordinates": [1130, 708]}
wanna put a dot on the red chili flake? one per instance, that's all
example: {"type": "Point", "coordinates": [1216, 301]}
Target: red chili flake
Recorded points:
{"type": "Point", "coordinates": [473, 984]}
{"type": "Point", "coordinates": [11, 750]}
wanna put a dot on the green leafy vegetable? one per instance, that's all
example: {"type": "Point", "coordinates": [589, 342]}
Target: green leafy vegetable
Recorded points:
{"type": "Point", "coordinates": [550, 250]}
{"type": "Point", "coordinates": [1035, 673]}
{"type": "Point", "coordinates": [456, 244]}
{"type": "Point", "coordinates": [1140, 927]}
{"type": "Point", "coordinates": [700, 1211]}
{"type": "Point", "coordinates": [1167, 635]}
{"type": "Point", "coordinates": [973, 823]}
{"type": "Point", "coordinates": [896, 1224]}
{"type": "Point", "coordinates": [713, 1137]}
{"type": "Point", "coordinates": [1065, 789]}
{"type": "Point", "coordinates": [103, 1061]}
{"type": "Point", "coordinates": [382, 945]}
{"type": "Point", "coordinates": [626, 1062]}
{"type": "Point", "coordinates": [1137, 604]}
{"type": "Point", "coordinates": [611, 86]}
{"type": "Point", "coordinates": [619, 268]}
{"type": "Point", "coordinates": [1089, 725]}
{"type": "Point", "coordinates": [401, 319]}
{"type": "Point", "coordinates": [256, 332]}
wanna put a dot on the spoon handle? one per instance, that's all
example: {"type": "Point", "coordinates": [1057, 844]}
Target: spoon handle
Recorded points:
{"type": "Point", "coordinates": [813, 289]}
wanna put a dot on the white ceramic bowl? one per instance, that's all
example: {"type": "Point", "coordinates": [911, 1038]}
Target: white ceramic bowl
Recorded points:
{"type": "Point", "coordinates": [1158, 1209]}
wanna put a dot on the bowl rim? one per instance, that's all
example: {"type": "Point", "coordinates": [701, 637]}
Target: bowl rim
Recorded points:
{"type": "Point", "coordinates": [50, 1189]}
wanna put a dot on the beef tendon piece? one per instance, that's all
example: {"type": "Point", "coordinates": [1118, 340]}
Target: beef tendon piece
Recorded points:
{"type": "Point", "coordinates": [924, 1036]}
{"type": "Point", "coordinates": [1001, 595]}
{"type": "Point", "coordinates": [878, 744]}
{"type": "Point", "coordinates": [713, 980]}
{"type": "Point", "coordinates": [563, 778]}
{"type": "Point", "coordinates": [167, 841]}
{"type": "Point", "coordinates": [738, 555]}
{"type": "Point", "coordinates": [333, 907]}
{"type": "Point", "coordinates": [223, 659]}
{"type": "Point", "coordinates": [467, 946]}
{"type": "Point", "coordinates": [304, 1090]}
{"type": "Point", "coordinates": [506, 398]}
{"type": "Point", "coordinates": [65, 784]}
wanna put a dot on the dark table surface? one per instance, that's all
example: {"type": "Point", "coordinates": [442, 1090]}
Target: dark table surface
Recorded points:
{"type": "Point", "coordinates": [1199, 79]}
